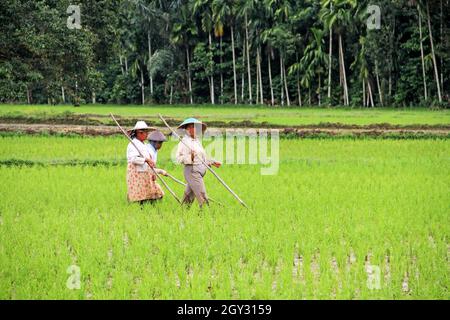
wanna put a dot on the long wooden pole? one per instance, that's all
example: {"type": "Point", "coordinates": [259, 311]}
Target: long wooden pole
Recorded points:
{"type": "Point", "coordinates": [184, 184]}
{"type": "Point", "coordinates": [206, 165]}
{"type": "Point", "coordinates": [140, 153]}
{"type": "Point", "coordinates": [176, 180]}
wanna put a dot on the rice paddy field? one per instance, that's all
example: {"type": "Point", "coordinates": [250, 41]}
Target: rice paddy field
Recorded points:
{"type": "Point", "coordinates": [256, 115]}
{"type": "Point", "coordinates": [342, 219]}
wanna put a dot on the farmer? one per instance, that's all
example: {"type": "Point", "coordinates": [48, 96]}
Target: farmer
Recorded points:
{"type": "Point", "coordinates": [141, 181]}
{"type": "Point", "coordinates": [155, 142]}
{"type": "Point", "coordinates": [191, 153]}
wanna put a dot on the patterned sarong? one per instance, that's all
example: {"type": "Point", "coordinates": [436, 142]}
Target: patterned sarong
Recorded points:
{"type": "Point", "coordinates": [141, 185]}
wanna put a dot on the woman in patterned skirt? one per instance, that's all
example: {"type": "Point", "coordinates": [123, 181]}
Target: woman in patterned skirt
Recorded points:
{"type": "Point", "coordinates": [141, 181]}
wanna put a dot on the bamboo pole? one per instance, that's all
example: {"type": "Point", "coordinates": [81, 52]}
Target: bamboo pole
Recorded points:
{"type": "Point", "coordinates": [206, 165]}
{"type": "Point", "coordinates": [184, 184]}
{"type": "Point", "coordinates": [140, 153]}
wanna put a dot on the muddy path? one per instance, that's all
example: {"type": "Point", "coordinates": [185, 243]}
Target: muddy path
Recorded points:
{"type": "Point", "coordinates": [127, 121]}
{"type": "Point", "coordinates": [97, 130]}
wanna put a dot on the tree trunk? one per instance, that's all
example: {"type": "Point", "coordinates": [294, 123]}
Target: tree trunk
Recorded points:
{"type": "Point", "coordinates": [390, 85]}
{"type": "Point", "coordinates": [425, 94]}
{"type": "Point", "coordinates": [243, 73]}
{"type": "Point", "coordinates": [94, 97]}
{"type": "Point", "coordinates": [341, 76]}
{"type": "Point", "coordinates": [261, 90]}
{"type": "Point", "coordinates": [286, 84]}
{"type": "Point", "coordinates": [121, 64]}
{"type": "Point", "coordinates": [380, 92]}
{"type": "Point", "coordinates": [269, 67]}
{"type": "Point", "coordinates": [281, 79]}
{"type": "Point", "coordinates": [142, 86]}
{"type": "Point", "coordinates": [221, 73]}
{"type": "Point", "coordinates": [318, 91]}
{"type": "Point", "coordinates": [330, 50]}
{"type": "Point", "coordinates": [344, 76]}
{"type": "Point", "coordinates": [234, 66]}
{"type": "Point", "coordinates": [248, 61]}
{"type": "Point", "coordinates": [442, 46]}
{"type": "Point", "coordinates": [191, 99]}
{"type": "Point", "coordinates": [126, 65]}
{"type": "Point", "coordinates": [299, 92]}
{"type": "Point", "coordinates": [211, 77]}
{"type": "Point", "coordinates": [433, 55]}
{"type": "Point", "coordinates": [63, 95]}
{"type": "Point", "coordinates": [149, 39]}
{"type": "Point", "coordinates": [364, 92]}
{"type": "Point", "coordinates": [370, 93]}
{"type": "Point", "coordinates": [77, 100]}
{"type": "Point", "coordinates": [171, 94]}
{"type": "Point", "coordinates": [391, 59]}
{"type": "Point", "coordinates": [28, 95]}
{"type": "Point", "coordinates": [257, 78]}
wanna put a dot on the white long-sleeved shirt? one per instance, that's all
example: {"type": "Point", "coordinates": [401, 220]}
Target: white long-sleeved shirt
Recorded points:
{"type": "Point", "coordinates": [184, 153]}
{"type": "Point", "coordinates": [154, 156]}
{"type": "Point", "coordinates": [135, 158]}
{"type": "Point", "coordinates": [153, 152]}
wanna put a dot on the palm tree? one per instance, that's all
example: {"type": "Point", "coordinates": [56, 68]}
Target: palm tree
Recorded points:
{"type": "Point", "coordinates": [280, 35]}
{"type": "Point", "coordinates": [150, 15]}
{"type": "Point", "coordinates": [266, 39]}
{"type": "Point", "coordinates": [203, 8]}
{"type": "Point", "coordinates": [313, 61]}
{"type": "Point", "coordinates": [433, 54]}
{"type": "Point", "coordinates": [139, 66]}
{"type": "Point", "coordinates": [330, 53]}
{"type": "Point", "coordinates": [162, 62]}
{"type": "Point", "coordinates": [183, 33]}
{"type": "Point", "coordinates": [421, 54]}
{"type": "Point", "coordinates": [415, 3]}
{"type": "Point", "coordinates": [362, 64]}
{"type": "Point", "coordinates": [245, 8]}
{"type": "Point", "coordinates": [337, 15]}
{"type": "Point", "coordinates": [259, 23]}
{"type": "Point", "coordinates": [222, 11]}
{"type": "Point", "coordinates": [282, 39]}
{"type": "Point", "coordinates": [423, 6]}
{"type": "Point", "coordinates": [270, 55]}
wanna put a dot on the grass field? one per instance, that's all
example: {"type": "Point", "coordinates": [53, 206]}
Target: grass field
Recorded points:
{"type": "Point", "coordinates": [294, 116]}
{"type": "Point", "coordinates": [336, 210]}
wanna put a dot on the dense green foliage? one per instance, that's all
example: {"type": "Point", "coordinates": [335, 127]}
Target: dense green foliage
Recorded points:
{"type": "Point", "coordinates": [148, 51]}
{"type": "Point", "coordinates": [334, 208]}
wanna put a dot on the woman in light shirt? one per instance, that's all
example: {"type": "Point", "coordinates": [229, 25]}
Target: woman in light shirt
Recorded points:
{"type": "Point", "coordinates": [155, 142]}
{"type": "Point", "coordinates": [191, 154]}
{"type": "Point", "coordinates": [141, 181]}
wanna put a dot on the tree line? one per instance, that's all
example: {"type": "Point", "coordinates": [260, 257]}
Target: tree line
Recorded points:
{"type": "Point", "coordinates": [273, 52]}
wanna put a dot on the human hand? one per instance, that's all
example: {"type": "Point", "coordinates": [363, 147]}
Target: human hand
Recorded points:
{"type": "Point", "coordinates": [150, 162]}
{"type": "Point", "coordinates": [216, 164]}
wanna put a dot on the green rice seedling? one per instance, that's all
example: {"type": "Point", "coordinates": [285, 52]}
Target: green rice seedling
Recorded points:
{"type": "Point", "coordinates": [333, 207]}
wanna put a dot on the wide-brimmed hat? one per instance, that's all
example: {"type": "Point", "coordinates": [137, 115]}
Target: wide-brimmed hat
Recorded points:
{"type": "Point", "coordinates": [141, 125]}
{"type": "Point", "coordinates": [191, 120]}
{"type": "Point", "coordinates": [157, 136]}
